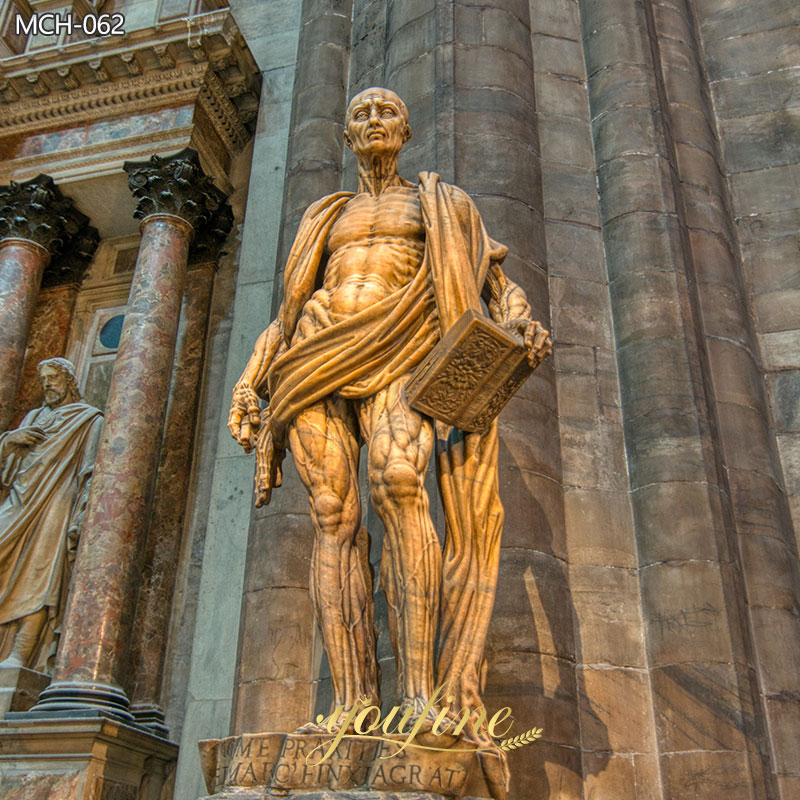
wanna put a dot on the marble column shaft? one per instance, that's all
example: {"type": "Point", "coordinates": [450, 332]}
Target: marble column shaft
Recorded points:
{"type": "Point", "coordinates": [275, 685]}
{"type": "Point", "coordinates": [22, 263]}
{"type": "Point", "coordinates": [154, 607]}
{"type": "Point", "coordinates": [39, 229]}
{"type": "Point", "coordinates": [93, 654]}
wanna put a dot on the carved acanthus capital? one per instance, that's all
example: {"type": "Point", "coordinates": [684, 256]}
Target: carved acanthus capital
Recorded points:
{"type": "Point", "coordinates": [177, 185]}
{"type": "Point", "coordinates": [208, 242]}
{"type": "Point", "coordinates": [36, 210]}
{"type": "Point", "coordinates": [71, 264]}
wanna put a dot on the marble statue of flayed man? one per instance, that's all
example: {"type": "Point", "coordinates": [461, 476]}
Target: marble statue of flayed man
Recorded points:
{"type": "Point", "coordinates": [374, 280]}
{"type": "Point", "coordinates": [45, 468]}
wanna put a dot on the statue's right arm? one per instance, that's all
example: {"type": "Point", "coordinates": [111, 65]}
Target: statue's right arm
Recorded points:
{"type": "Point", "coordinates": [245, 414]}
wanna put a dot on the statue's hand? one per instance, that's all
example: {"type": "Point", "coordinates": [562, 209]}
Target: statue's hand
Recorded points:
{"type": "Point", "coordinates": [245, 416]}
{"type": "Point", "coordinates": [26, 437]}
{"type": "Point", "coordinates": [535, 338]}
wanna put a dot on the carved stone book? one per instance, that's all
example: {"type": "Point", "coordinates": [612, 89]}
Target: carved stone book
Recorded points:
{"type": "Point", "coordinates": [470, 375]}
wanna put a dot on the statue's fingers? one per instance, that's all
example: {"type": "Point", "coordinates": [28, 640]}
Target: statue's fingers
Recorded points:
{"type": "Point", "coordinates": [245, 433]}
{"type": "Point", "coordinates": [528, 334]}
{"type": "Point", "coordinates": [235, 422]}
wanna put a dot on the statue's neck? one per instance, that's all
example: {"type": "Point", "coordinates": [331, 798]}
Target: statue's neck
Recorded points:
{"type": "Point", "coordinates": [378, 173]}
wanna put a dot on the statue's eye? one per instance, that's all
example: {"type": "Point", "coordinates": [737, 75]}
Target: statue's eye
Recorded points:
{"type": "Point", "coordinates": [360, 115]}
{"type": "Point", "coordinates": [387, 112]}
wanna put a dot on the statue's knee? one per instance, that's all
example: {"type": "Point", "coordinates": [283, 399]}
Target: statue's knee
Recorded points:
{"type": "Point", "coordinates": [398, 481]}
{"type": "Point", "coordinates": [331, 512]}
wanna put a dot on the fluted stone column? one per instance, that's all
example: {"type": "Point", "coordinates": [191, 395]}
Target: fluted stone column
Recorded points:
{"type": "Point", "coordinates": [678, 326]}
{"type": "Point", "coordinates": [37, 225]}
{"type": "Point", "coordinates": [176, 199]}
{"type": "Point", "coordinates": [766, 551]}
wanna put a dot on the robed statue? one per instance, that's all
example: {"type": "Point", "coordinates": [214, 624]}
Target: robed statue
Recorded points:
{"type": "Point", "coordinates": [45, 469]}
{"type": "Point", "coordinates": [374, 280]}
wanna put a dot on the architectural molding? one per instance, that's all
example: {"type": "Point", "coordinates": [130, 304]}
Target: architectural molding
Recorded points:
{"type": "Point", "coordinates": [178, 186]}
{"type": "Point", "coordinates": [203, 61]}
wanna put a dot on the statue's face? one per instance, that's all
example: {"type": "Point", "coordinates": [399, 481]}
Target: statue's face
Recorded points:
{"type": "Point", "coordinates": [55, 385]}
{"type": "Point", "coordinates": [376, 124]}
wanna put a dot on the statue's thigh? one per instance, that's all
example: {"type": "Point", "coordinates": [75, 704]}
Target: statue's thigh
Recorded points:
{"type": "Point", "coordinates": [394, 431]}
{"type": "Point", "coordinates": [324, 442]}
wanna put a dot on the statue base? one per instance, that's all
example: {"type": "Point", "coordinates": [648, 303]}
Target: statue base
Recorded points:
{"type": "Point", "coordinates": [331, 794]}
{"type": "Point", "coordinates": [265, 765]}
{"type": "Point", "coordinates": [20, 688]}
{"type": "Point", "coordinates": [83, 758]}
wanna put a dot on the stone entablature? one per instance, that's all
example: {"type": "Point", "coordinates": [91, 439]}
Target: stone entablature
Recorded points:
{"type": "Point", "coordinates": [202, 63]}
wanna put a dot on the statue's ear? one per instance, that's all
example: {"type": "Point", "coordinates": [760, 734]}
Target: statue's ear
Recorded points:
{"type": "Point", "coordinates": [406, 134]}
{"type": "Point", "coordinates": [347, 140]}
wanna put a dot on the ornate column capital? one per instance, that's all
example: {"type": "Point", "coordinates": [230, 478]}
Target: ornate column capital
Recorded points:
{"type": "Point", "coordinates": [37, 211]}
{"type": "Point", "coordinates": [177, 185]}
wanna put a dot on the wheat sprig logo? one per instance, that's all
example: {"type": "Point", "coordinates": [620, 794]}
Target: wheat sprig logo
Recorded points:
{"type": "Point", "coordinates": [524, 738]}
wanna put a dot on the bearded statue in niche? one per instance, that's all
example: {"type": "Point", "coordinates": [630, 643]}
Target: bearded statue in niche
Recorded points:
{"type": "Point", "coordinates": [45, 470]}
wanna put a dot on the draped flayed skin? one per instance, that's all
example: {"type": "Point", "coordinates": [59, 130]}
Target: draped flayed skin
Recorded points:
{"type": "Point", "coordinates": [358, 356]}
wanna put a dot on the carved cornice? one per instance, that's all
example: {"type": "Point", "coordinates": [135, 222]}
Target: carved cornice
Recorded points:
{"type": "Point", "coordinates": [177, 185]}
{"type": "Point", "coordinates": [203, 59]}
{"type": "Point", "coordinates": [36, 210]}
{"type": "Point", "coordinates": [93, 102]}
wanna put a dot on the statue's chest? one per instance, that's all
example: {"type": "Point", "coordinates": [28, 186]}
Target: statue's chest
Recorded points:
{"type": "Point", "coordinates": [394, 214]}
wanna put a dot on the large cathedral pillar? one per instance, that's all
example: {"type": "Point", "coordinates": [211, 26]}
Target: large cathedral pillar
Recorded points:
{"type": "Point", "coordinates": [675, 316]}
{"type": "Point", "coordinates": [37, 223]}
{"type": "Point", "coordinates": [176, 200]}
{"type": "Point", "coordinates": [466, 73]}
{"type": "Point", "coordinates": [764, 546]}
{"type": "Point", "coordinates": [276, 682]}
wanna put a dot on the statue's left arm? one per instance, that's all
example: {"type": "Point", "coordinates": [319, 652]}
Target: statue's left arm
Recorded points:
{"type": "Point", "coordinates": [509, 306]}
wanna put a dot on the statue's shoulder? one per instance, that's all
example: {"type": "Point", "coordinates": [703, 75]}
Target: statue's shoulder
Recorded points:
{"type": "Point", "coordinates": [325, 204]}
{"type": "Point", "coordinates": [431, 182]}
{"type": "Point", "coordinates": [83, 409]}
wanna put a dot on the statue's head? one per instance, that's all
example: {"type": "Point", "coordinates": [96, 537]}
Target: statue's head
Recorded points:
{"type": "Point", "coordinates": [376, 123]}
{"type": "Point", "coordinates": [57, 376]}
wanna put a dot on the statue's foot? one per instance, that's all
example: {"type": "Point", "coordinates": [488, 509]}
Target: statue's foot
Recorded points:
{"type": "Point", "coordinates": [313, 727]}
{"type": "Point", "coordinates": [12, 662]}
{"type": "Point", "coordinates": [415, 708]}
{"type": "Point", "coordinates": [327, 725]}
